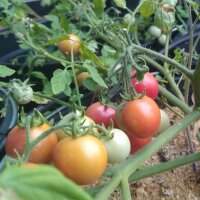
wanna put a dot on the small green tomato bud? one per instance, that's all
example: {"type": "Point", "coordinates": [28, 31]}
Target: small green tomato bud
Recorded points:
{"type": "Point", "coordinates": [21, 92]}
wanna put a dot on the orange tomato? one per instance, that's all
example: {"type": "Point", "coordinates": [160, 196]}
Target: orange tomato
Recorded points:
{"type": "Point", "coordinates": [41, 153]}
{"type": "Point", "coordinates": [82, 159]}
{"type": "Point", "coordinates": [65, 46]}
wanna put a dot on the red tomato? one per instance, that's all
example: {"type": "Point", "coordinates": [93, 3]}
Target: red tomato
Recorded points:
{"type": "Point", "coordinates": [101, 114]}
{"type": "Point", "coordinates": [138, 143]}
{"type": "Point", "coordinates": [149, 84]}
{"type": "Point", "coordinates": [141, 117]}
{"type": "Point", "coordinates": [41, 153]}
{"type": "Point", "coordinates": [82, 159]}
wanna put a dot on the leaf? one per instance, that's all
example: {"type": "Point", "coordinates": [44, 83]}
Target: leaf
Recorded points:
{"type": "Point", "coordinates": [86, 53]}
{"type": "Point", "coordinates": [39, 183]}
{"type": "Point", "coordinates": [90, 84]}
{"type": "Point", "coordinates": [5, 71]}
{"type": "Point", "coordinates": [120, 3]}
{"type": "Point", "coordinates": [39, 75]}
{"type": "Point", "coordinates": [60, 79]}
{"type": "Point", "coordinates": [52, 18]}
{"type": "Point", "coordinates": [148, 8]}
{"type": "Point", "coordinates": [95, 75]}
{"type": "Point", "coordinates": [99, 6]}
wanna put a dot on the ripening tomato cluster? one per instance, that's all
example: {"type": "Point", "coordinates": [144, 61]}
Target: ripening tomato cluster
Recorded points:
{"type": "Point", "coordinates": [84, 158]}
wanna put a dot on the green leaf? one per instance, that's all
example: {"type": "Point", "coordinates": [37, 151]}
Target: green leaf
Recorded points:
{"type": "Point", "coordinates": [120, 3]}
{"type": "Point", "coordinates": [99, 6]}
{"type": "Point", "coordinates": [148, 7]}
{"type": "Point", "coordinates": [60, 79]}
{"type": "Point", "coordinates": [5, 71]}
{"type": "Point", "coordinates": [39, 75]}
{"type": "Point", "coordinates": [52, 18]}
{"type": "Point", "coordinates": [88, 54]}
{"type": "Point", "coordinates": [90, 84]}
{"type": "Point", "coordinates": [95, 75]}
{"type": "Point", "coordinates": [39, 183]}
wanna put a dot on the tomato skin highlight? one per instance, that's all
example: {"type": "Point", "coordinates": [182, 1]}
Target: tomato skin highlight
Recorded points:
{"type": "Point", "coordinates": [41, 153]}
{"type": "Point", "coordinates": [138, 143]}
{"type": "Point", "coordinates": [65, 46]}
{"type": "Point", "coordinates": [82, 159]}
{"type": "Point", "coordinates": [141, 117]}
{"type": "Point", "coordinates": [148, 85]}
{"type": "Point", "coordinates": [101, 114]}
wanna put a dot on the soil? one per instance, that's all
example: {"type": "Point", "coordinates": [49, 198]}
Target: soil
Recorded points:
{"type": "Point", "coordinates": [182, 183]}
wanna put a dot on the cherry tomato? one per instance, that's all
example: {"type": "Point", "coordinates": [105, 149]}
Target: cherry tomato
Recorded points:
{"type": "Point", "coordinates": [162, 39]}
{"type": "Point", "coordinates": [41, 153]}
{"type": "Point", "coordinates": [65, 46]}
{"type": "Point", "coordinates": [154, 31]}
{"type": "Point", "coordinates": [138, 143]}
{"type": "Point", "coordinates": [149, 85]}
{"type": "Point", "coordinates": [82, 159]}
{"type": "Point", "coordinates": [81, 77]}
{"type": "Point", "coordinates": [141, 117]}
{"type": "Point", "coordinates": [101, 114]}
{"type": "Point", "coordinates": [118, 147]}
{"type": "Point", "coordinates": [164, 123]}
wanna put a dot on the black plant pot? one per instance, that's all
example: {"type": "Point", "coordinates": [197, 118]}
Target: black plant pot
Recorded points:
{"type": "Point", "coordinates": [9, 120]}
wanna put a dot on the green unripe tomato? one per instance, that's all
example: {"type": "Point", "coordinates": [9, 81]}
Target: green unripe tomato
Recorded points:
{"type": "Point", "coordinates": [164, 122]}
{"type": "Point", "coordinates": [154, 31]}
{"type": "Point", "coordinates": [162, 39]}
{"type": "Point", "coordinates": [128, 18]}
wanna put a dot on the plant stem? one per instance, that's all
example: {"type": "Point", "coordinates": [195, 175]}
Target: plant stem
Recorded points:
{"type": "Point", "coordinates": [106, 191]}
{"type": "Point", "coordinates": [133, 162]}
{"type": "Point", "coordinates": [152, 170]}
{"type": "Point", "coordinates": [196, 83]}
{"type": "Point", "coordinates": [74, 75]}
{"type": "Point", "coordinates": [159, 56]}
{"type": "Point", "coordinates": [56, 100]}
{"type": "Point", "coordinates": [125, 189]}
{"type": "Point", "coordinates": [174, 100]}
{"type": "Point", "coordinates": [159, 168]}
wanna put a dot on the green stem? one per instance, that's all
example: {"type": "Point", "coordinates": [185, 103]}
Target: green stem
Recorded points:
{"type": "Point", "coordinates": [165, 104]}
{"type": "Point", "coordinates": [74, 75]}
{"type": "Point", "coordinates": [125, 189]}
{"type": "Point", "coordinates": [56, 100]}
{"type": "Point", "coordinates": [159, 56]}
{"type": "Point", "coordinates": [109, 188]}
{"type": "Point", "coordinates": [159, 168]}
{"type": "Point", "coordinates": [196, 83]}
{"type": "Point", "coordinates": [133, 162]}
{"type": "Point", "coordinates": [152, 170]}
{"type": "Point", "coordinates": [174, 100]}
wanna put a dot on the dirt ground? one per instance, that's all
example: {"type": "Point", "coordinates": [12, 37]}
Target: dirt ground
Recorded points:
{"type": "Point", "coordinates": [179, 184]}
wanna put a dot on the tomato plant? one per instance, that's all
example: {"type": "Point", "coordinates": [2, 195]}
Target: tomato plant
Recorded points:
{"type": "Point", "coordinates": [65, 46]}
{"type": "Point", "coordinates": [149, 85]}
{"type": "Point", "coordinates": [82, 159]}
{"type": "Point", "coordinates": [118, 147]}
{"type": "Point", "coordinates": [141, 117]}
{"type": "Point", "coordinates": [41, 153]}
{"type": "Point", "coordinates": [101, 114]}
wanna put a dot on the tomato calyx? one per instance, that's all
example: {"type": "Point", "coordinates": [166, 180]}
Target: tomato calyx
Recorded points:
{"type": "Point", "coordinates": [37, 119]}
